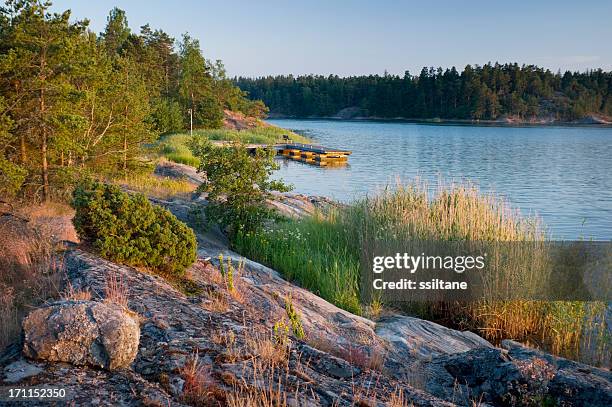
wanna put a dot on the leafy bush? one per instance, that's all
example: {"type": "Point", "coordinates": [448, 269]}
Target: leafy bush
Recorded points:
{"type": "Point", "coordinates": [129, 229]}
{"type": "Point", "coordinates": [237, 183]}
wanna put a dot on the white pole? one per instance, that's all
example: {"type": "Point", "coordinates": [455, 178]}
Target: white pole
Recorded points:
{"type": "Point", "coordinates": [191, 122]}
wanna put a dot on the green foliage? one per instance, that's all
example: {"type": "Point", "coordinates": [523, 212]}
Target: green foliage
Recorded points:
{"type": "Point", "coordinates": [116, 32]}
{"type": "Point", "coordinates": [12, 177]}
{"type": "Point", "coordinates": [175, 147]}
{"type": "Point", "coordinates": [485, 92]}
{"type": "Point", "coordinates": [230, 275]}
{"type": "Point", "coordinates": [129, 229]}
{"type": "Point", "coordinates": [237, 183]}
{"type": "Point", "coordinates": [256, 135]}
{"type": "Point", "coordinates": [166, 116]}
{"type": "Point", "coordinates": [280, 333]}
{"type": "Point", "coordinates": [208, 112]}
{"type": "Point", "coordinates": [221, 265]}
{"type": "Point", "coordinates": [294, 319]}
{"type": "Point", "coordinates": [196, 85]}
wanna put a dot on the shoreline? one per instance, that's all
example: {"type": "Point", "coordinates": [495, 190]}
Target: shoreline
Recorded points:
{"type": "Point", "coordinates": [447, 122]}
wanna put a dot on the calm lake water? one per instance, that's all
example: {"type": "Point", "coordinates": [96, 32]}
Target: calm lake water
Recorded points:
{"type": "Point", "coordinates": [562, 174]}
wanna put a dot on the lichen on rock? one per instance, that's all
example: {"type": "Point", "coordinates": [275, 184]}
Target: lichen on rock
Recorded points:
{"type": "Point", "coordinates": [82, 333]}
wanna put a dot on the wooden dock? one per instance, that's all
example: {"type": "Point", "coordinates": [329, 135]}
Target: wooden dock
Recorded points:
{"type": "Point", "coordinates": [314, 154]}
{"type": "Point", "coordinates": [307, 153]}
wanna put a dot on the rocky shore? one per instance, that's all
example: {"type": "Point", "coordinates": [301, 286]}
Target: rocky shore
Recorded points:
{"type": "Point", "coordinates": [160, 343]}
{"type": "Point", "coordinates": [343, 359]}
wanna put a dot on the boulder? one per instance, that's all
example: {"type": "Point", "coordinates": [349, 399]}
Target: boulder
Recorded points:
{"type": "Point", "coordinates": [82, 333]}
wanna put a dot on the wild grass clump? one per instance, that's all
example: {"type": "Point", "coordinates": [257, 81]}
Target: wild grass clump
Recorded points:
{"type": "Point", "coordinates": [199, 388]}
{"type": "Point", "coordinates": [156, 186]}
{"type": "Point", "coordinates": [322, 253]}
{"type": "Point", "coordinates": [175, 147]}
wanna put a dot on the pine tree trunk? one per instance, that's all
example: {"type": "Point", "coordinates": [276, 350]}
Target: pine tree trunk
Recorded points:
{"type": "Point", "coordinates": [43, 151]}
{"type": "Point", "coordinates": [43, 145]}
{"type": "Point", "coordinates": [45, 168]}
{"type": "Point", "coordinates": [125, 144]}
{"type": "Point", "coordinates": [125, 154]}
{"type": "Point", "coordinates": [22, 148]}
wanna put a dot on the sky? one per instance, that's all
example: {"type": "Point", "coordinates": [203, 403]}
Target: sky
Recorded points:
{"type": "Point", "coordinates": [270, 37]}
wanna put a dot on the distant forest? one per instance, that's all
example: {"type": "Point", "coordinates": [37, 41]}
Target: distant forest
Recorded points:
{"type": "Point", "coordinates": [486, 92]}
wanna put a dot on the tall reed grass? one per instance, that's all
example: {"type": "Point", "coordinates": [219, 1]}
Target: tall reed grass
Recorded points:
{"type": "Point", "coordinates": [322, 253]}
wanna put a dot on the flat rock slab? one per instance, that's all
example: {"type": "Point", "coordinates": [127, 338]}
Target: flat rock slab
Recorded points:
{"type": "Point", "coordinates": [19, 370]}
{"type": "Point", "coordinates": [425, 339]}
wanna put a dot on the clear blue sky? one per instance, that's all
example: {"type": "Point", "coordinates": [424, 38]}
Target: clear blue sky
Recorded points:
{"type": "Point", "coordinates": [256, 38]}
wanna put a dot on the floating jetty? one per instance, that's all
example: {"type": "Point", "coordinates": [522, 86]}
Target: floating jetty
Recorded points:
{"type": "Point", "coordinates": [306, 153]}
{"type": "Point", "coordinates": [313, 154]}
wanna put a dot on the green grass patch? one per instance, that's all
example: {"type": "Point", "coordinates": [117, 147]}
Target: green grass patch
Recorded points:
{"type": "Point", "coordinates": [175, 146]}
{"type": "Point", "coordinates": [315, 252]}
{"type": "Point", "coordinates": [258, 135]}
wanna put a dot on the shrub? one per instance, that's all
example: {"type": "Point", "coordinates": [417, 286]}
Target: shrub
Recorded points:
{"type": "Point", "coordinates": [129, 229]}
{"type": "Point", "coordinates": [237, 183]}
{"type": "Point", "coordinates": [294, 319]}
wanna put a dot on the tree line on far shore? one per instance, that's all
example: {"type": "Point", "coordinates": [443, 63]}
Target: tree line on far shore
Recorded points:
{"type": "Point", "coordinates": [485, 92]}
{"type": "Point", "coordinates": [74, 102]}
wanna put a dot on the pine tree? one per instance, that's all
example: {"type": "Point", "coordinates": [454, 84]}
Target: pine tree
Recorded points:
{"type": "Point", "coordinates": [42, 46]}
{"type": "Point", "coordinates": [196, 85]}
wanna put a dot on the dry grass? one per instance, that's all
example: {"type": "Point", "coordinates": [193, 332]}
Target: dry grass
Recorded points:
{"type": "Point", "coordinates": [217, 302]}
{"type": "Point", "coordinates": [370, 357]}
{"type": "Point", "coordinates": [269, 390]}
{"type": "Point", "coordinates": [199, 388]}
{"type": "Point", "coordinates": [233, 350]}
{"type": "Point", "coordinates": [269, 396]}
{"type": "Point", "coordinates": [398, 399]}
{"type": "Point", "coordinates": [53, 219]}
{"type": "Point", "coordinates": [30, 273]}
{"type": "Point", "coordinates": [156, 186]}
{"type": "Point", "coordinates": [267, 348]}
{"type": "Point", "coordinates": [76, 294]}
{"type": "Point", "coordinates": [116, 290]}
